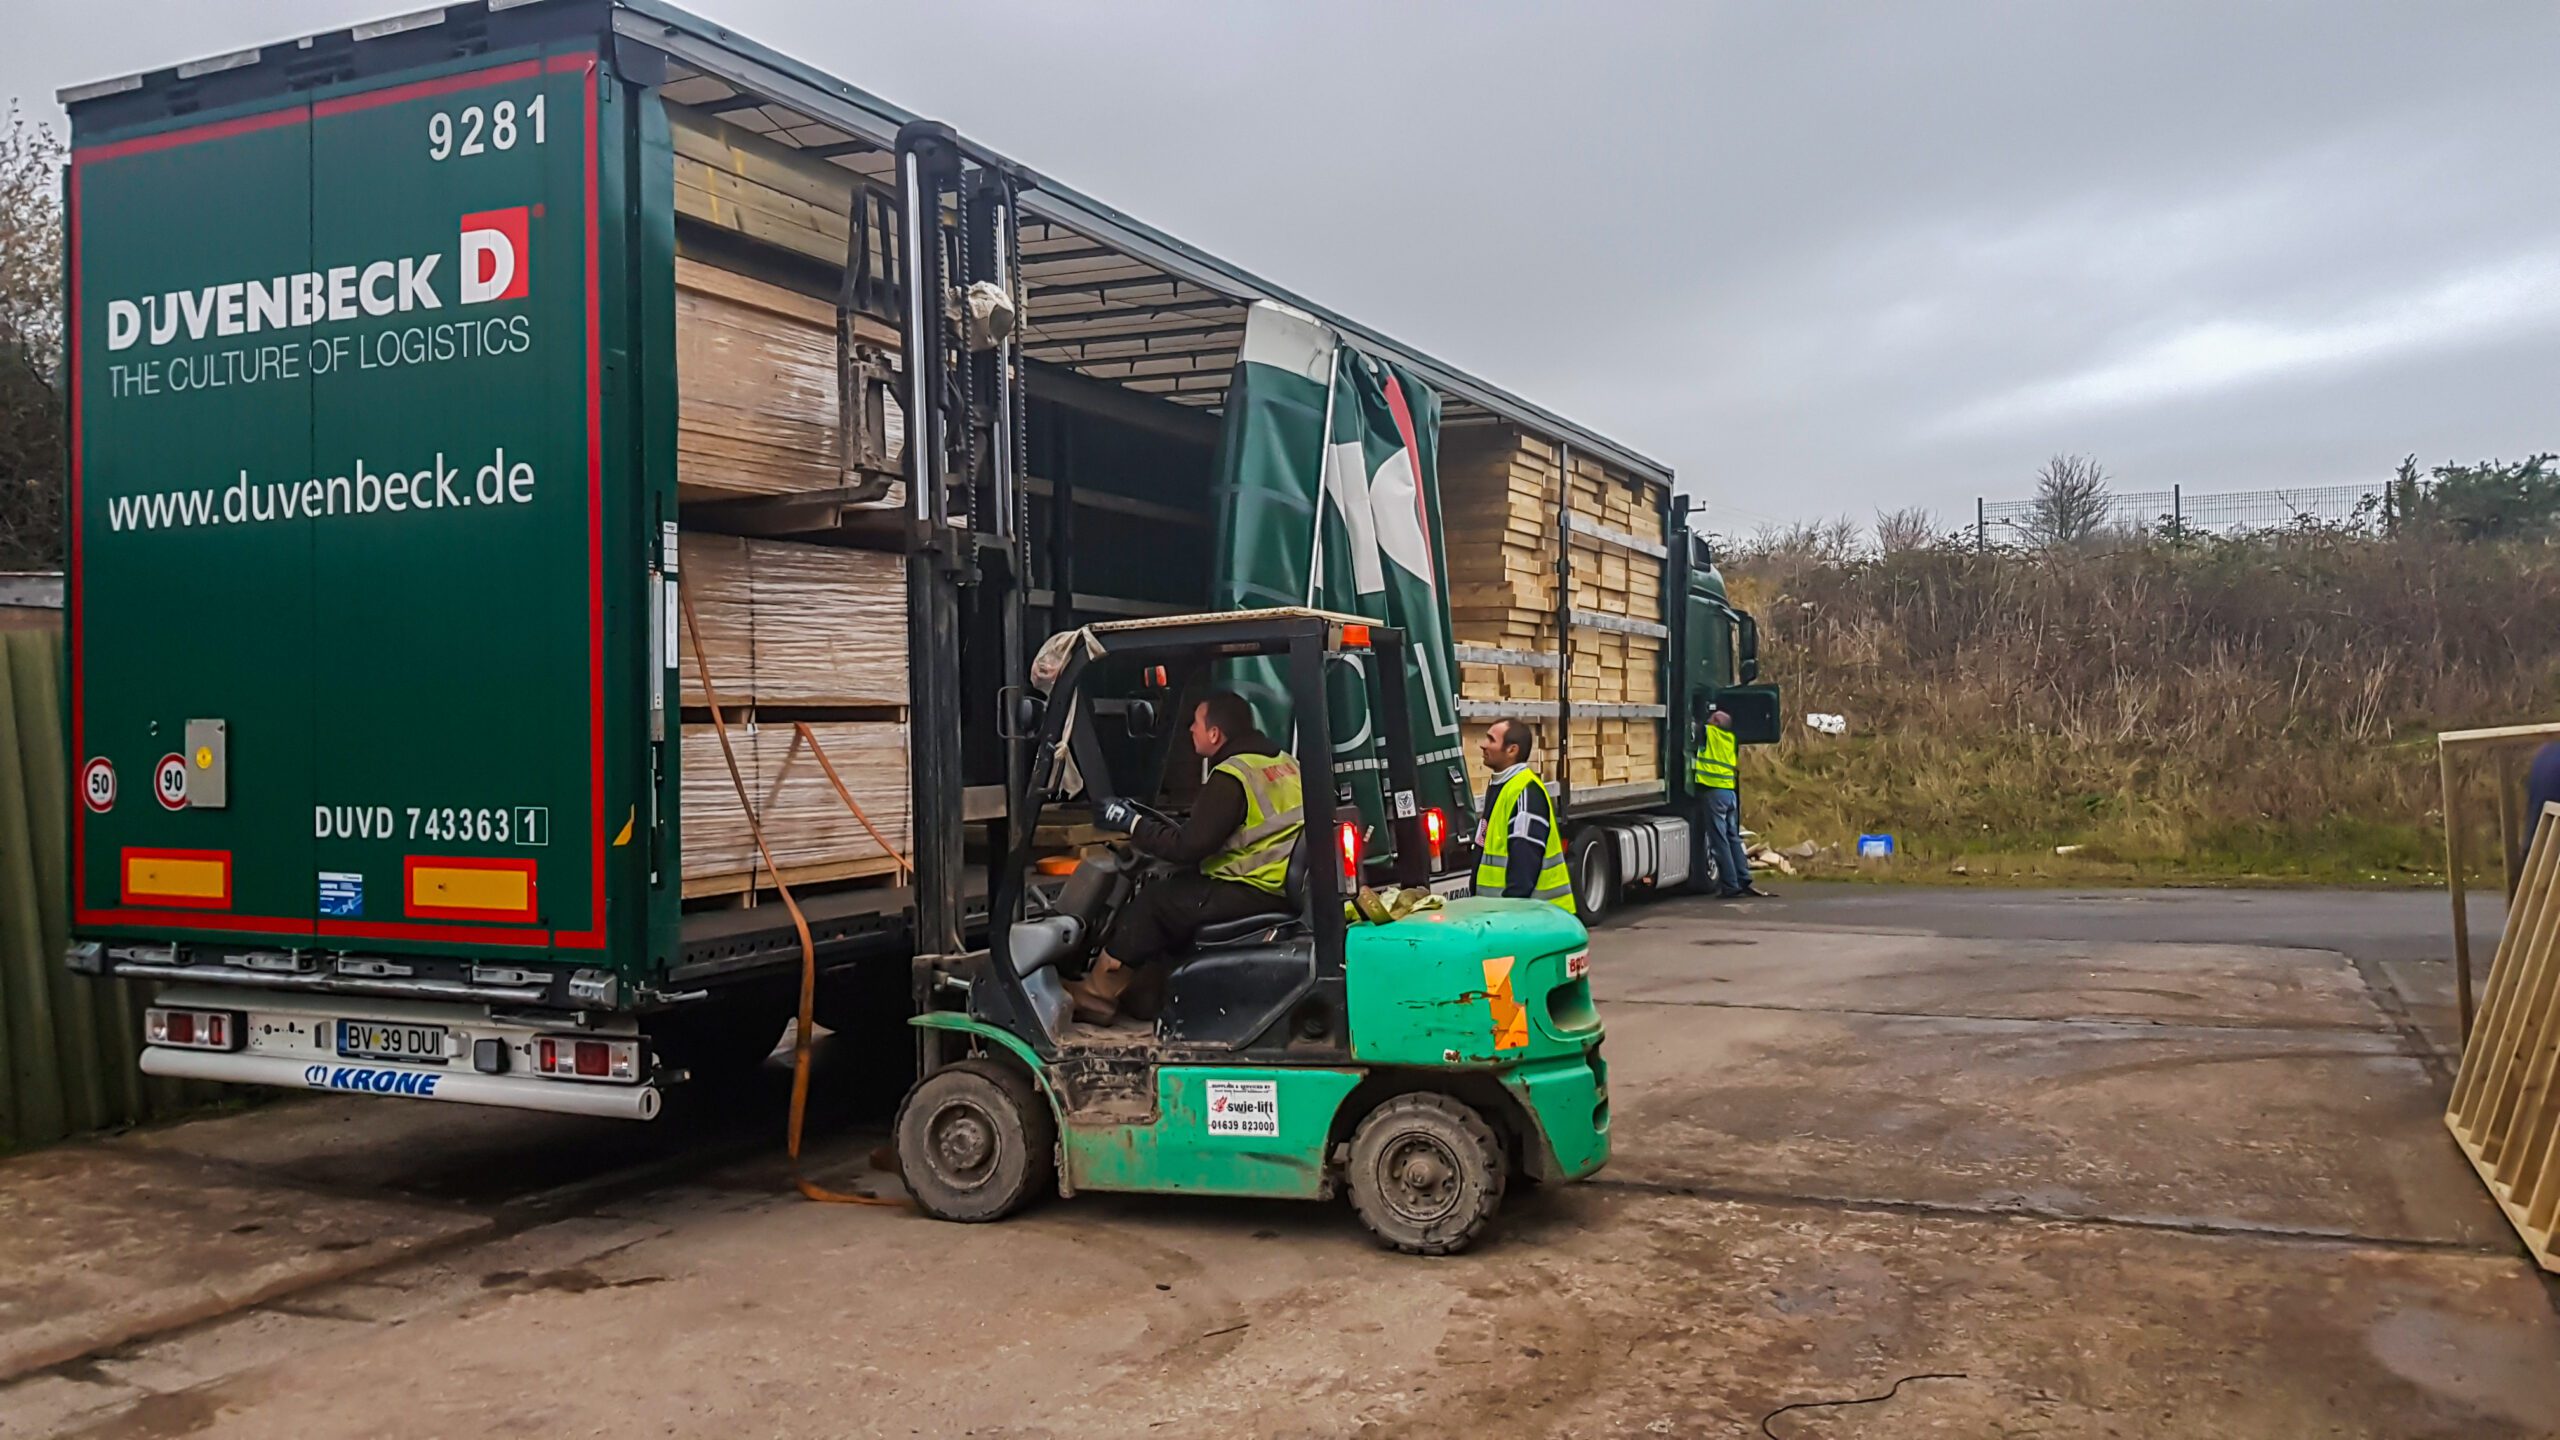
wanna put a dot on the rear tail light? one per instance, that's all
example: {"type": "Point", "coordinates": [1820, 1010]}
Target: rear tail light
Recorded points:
{"type": "Point", "coordinates": [575, 1057]}
{"type": "Point", "coordinates": [191, 1029]}
{"type": "Point", "coordinates": [1435, 828]}
{"type": "Point", "coordinates": [1346, 843]}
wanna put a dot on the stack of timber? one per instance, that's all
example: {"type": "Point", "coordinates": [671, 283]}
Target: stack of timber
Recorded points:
{"type": "Point", "coordinates": [1500, 491]}
{"type": "Point", "coordinates": [792, 634]}
{"type": "Point", "coordinates": [795, 625]}
{"type": "Point", "coordinates": [757, 412]}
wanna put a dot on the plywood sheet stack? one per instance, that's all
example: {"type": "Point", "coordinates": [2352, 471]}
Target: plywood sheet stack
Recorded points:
{"type": "Point", "coordinates": [790, 633]}
{"type": "Point", "coordinates": [795, 625]}
{"type": "Point", "coordinates": [1499, 492]}
{"type": "Point", "coordinates": [793, 632]}
{"type": "Point", "coordinates": [756, 361]}
{"type": "Point", "coordinates": [814, 837]}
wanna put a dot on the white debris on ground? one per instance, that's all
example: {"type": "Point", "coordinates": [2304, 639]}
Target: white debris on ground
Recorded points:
{"type": "Point", "coordinates": [1827, 723]}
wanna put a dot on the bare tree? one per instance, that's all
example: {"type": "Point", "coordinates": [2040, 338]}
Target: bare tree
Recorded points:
{"type": "Point", "coordinates": [1910, 528]}
{"type": "Point", "coordinates": [30, 345]}
{"type": "Point", "coordinates": [2072, 501]}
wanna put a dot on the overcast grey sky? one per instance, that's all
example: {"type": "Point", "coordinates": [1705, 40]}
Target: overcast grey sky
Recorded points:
{"type": "Point", "coordinates": [1820, 258]}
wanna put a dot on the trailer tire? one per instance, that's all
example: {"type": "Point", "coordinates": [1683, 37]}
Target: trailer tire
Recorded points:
{"type": "Point", "coordinates": [1595, 877]}
{"type": "Point", "coordinates": [873, 1051]}
{"type": "Point", "coordinates": [976, 1142]}
{"type": "Point", "coordinates": [1426, 1173]}
{"type": "Point", "coordinates": [719, 1043]}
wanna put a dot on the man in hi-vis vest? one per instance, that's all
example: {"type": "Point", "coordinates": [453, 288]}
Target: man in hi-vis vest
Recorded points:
{"type": "Point", "coordinates": [1520, 846]}
{"type": "Point", "coordinates": [1243, 827]}
{"type": "Point", "coordinates": [1716, 824]}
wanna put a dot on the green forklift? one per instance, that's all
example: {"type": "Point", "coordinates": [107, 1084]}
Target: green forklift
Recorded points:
{"type": "Point", "coordinates": [1425, 1065]}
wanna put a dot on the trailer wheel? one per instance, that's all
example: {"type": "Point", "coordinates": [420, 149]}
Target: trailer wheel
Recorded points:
{"type": "Point", "coordinates": [1426, 1173]}
{"type": "Point", "coordinates": [1595, 877]}
{"type": "Point", "coordinates": [718, 1044]}
{"type": "Point", "coordinates": [874, 1050]}
{"type": "Point", "coordinates": [976, 1142]}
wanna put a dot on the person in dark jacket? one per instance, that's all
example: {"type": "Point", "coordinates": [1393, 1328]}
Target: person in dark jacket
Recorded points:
{"type": "Point", "coordinates": [2541, 787]}
{"type": "Point", "coordinates": [1234, 849]}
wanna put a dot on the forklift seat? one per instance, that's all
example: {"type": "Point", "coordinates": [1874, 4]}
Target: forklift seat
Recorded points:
{"type": "Point", "coordinates": [1249, 927]}
{"type": "Point", "coordinates": [1288, 908]}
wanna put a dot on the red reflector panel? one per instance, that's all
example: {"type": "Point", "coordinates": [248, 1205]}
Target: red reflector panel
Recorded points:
{"type": "Point", "coordinates": [190, 1029]}
{"type": "Point", "coordinates": [577, 1058]}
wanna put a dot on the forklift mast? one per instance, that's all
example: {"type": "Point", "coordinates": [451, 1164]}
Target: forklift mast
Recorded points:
{"type": "Point", "coordinates": [961, 388]}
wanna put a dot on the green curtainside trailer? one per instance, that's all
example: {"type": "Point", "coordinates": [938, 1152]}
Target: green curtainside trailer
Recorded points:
{"type": "Point", "coordinates": [388, 443]}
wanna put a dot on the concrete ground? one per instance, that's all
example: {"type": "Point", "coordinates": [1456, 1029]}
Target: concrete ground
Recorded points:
{"type": "Point", "coordinates": [2053, 1164]}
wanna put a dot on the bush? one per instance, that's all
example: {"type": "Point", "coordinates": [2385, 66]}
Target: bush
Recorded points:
{"type": "Point", "coordinates": [2262, 704]}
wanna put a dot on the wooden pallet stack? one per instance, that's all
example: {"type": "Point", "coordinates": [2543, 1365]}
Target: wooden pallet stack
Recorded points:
{"type": "Point", "coordinates": [792, 634]}
{"type": "Point", "coordinates": [1499, 491]}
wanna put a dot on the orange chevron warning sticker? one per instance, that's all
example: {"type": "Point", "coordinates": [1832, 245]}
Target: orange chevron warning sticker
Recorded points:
{"type": "Point", "coordinates": [1510, 1019]}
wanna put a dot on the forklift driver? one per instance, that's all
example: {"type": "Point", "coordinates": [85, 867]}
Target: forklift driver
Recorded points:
{"type": "Point", "coordinates": [1243, 827]}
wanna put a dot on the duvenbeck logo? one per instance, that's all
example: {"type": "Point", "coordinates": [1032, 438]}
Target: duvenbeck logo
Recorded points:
{"type": "Point", "coordinates": [494, 265]}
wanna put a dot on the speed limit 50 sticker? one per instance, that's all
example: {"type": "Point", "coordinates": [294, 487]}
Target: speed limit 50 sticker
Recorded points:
{"type": "Point", "coordinates": [98, 785]}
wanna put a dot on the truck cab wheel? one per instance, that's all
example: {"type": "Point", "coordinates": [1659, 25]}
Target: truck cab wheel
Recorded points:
{"type": "Point", "coordinates": [1426, 1173]}
{"type": "Point", "coordinates": [976, 1142]}
{"type": "Point", "coordinates": [1595, 877]}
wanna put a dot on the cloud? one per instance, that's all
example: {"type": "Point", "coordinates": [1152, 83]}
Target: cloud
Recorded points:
{"type": "Point", "coordinates": [1823, 256]}
{"type": "Point", "coordinates": [2520, 296]}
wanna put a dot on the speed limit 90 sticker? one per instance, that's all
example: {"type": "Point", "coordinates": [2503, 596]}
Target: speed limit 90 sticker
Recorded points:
{"type": "Point", "coordinates": [169, 782]}
{"type": "Point", "coordinates": [98, 785]}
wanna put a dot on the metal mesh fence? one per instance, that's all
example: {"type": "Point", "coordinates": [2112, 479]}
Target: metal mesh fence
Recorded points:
{"type": "Point", "coordinates": [2228, 512]}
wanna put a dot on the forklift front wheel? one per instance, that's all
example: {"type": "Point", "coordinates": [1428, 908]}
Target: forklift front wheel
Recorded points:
{"type": "Point", "coordinates": [1426, 1173]}
{"type": "Point", "coordinates": [976, 1142]}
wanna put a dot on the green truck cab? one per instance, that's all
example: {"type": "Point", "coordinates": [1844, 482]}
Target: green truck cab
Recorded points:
{"type": "Point", "coordinates": [1423, 1064]}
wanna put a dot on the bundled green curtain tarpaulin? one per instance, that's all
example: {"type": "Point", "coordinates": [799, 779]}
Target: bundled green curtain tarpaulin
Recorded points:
{"type": "Point", "coordinates": [1329, 495]}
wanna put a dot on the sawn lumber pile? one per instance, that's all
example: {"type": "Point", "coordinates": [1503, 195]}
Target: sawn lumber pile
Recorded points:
{"type": "Point", "coordinates": [1499, 492]}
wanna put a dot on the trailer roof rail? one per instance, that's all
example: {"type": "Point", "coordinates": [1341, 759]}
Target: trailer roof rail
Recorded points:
{"type": "Point", "coordinates": [1095, 275]}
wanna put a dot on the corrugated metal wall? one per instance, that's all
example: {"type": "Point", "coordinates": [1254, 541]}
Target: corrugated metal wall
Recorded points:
{"type": "Point", "coordinates": [67, 1042]}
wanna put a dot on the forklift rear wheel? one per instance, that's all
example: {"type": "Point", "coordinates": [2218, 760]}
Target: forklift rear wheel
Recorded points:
{"type": "Point", "coordinates": [1595, 878]}
{"type": "Point", "coordinates": [1427, 1173]}
{"type": "Point", "coordinates": [976, 1142]}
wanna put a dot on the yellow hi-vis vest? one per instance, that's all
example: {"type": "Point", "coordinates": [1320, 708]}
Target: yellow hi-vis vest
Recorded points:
{"type": "Point", "coordinates": [1712, 768]}
{"type": "Point", "coordinates": [1275, 811]}
{"type": "Point", "coordinates": [1493, 867]}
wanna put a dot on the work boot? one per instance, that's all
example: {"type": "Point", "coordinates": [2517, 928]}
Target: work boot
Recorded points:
{"type": "Point", "coordinates": [1097, 995]}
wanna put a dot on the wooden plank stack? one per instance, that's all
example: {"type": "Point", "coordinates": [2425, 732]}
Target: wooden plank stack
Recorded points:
{"type": "Point", "coordinates": [757, 359]}
{"type": "Point", "coordinates": [815, 838]}
{"type": "Point", "coordinates": [2505, 1111]}
{"type": "Point", "coordinates": [795, 625]}
{"type": "Point", "coordinates": [1498, 492]}
{"type": "Point", "coordinates": [791, 633]}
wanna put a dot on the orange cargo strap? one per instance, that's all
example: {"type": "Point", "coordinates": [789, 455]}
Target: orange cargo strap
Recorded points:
{"type": "Point", "coordinates": [799, 922]}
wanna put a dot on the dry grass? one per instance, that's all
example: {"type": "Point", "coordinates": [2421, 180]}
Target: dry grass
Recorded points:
{"type": "Point", "coordinates": [2263, 706]}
